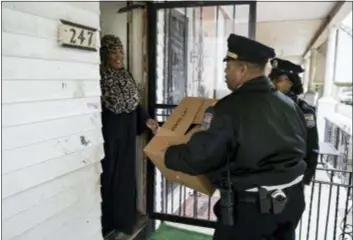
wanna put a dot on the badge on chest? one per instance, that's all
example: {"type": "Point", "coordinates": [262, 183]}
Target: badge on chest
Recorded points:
{"type": "Point", "coordinates": [310, 120]}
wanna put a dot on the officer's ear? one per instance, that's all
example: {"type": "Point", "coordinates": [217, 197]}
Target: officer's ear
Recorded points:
{"type": "Point", "coordinates": [246, 67]}
{"type": "Point", "coordinates": [242, 66]}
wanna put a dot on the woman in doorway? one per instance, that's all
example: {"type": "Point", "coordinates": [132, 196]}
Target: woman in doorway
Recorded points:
{"type": "Point", "coordinates": [122, 118]}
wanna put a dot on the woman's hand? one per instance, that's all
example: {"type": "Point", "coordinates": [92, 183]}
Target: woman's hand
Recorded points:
{"type": "Point", "coordinates": [152, 125]}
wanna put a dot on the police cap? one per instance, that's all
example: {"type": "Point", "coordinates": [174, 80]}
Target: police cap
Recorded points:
{"type": "Point", "coordinates": [286, 66]}
{"type": "Point", "coordinates": [280, 67]}
{"type": "Point", "coordinates": [245, 49]}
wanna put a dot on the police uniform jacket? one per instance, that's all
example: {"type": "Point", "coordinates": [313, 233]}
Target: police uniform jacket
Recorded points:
{"type": "Point", "coordinates": [312, 137]}
{"type": "Point", "coordinates": [260, 130]}
{"type": "Point", "coordinates": [281, 66]}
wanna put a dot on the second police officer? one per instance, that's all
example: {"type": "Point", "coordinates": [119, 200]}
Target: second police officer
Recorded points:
{"type": "Point", "coordinates": [285, 76]}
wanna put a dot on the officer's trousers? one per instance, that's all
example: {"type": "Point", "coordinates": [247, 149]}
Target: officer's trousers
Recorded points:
{"type": "Point", "coordinates": [251, 224]}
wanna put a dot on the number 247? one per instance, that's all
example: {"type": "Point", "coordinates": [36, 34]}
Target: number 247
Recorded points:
{"type": "Point", "coordinates": [81, 36]}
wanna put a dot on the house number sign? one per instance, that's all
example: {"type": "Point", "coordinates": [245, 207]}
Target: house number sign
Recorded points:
{"type": "Point", "coordinates": [77, 36]}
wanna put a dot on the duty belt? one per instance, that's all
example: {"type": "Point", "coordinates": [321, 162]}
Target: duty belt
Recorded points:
{"type": "Point", "coordinates": [271, 199]}
{"type": "Point", "coordinates": [278, 187]}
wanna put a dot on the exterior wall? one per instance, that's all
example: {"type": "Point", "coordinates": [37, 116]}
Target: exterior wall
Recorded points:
{"type": "Point", "coordinates": [51, 126]}
{"type": "Point", "coordinates": [328, 106]}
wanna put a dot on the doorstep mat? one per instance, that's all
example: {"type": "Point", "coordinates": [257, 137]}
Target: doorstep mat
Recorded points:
{"type": "Point", "coordinates": [165, 232]}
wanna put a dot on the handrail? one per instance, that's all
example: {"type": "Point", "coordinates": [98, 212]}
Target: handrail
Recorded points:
{"type": "Point", "coordinates": [341, 125]}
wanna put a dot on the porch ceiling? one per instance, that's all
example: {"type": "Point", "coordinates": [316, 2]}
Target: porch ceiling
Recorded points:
{"type": "Point", "coordinates": [288, 38]}
{"type": "Point", "coordinates": [284, 10]}
{"type": "Point", "coordinates": [292, 11]}
{"type": "Point", "coordinates": [286, 26]}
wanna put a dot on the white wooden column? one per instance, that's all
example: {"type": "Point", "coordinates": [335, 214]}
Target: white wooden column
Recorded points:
{"type": "Point", "coordinates": [136, 63]}
{"type": "Point", "coordinates": [327, 104]}
{"type": "Point", "coordinates": [313, 66]}
{"type": "Point", "coordinates": [306, 77]}
{"type": "Point", "coordinates": [330, 62]}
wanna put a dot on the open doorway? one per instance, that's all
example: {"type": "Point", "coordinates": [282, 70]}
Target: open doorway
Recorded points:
{"type": "Point", "coordinates": [127, 26]}
{"type": "Point", "coordinates": [187, 45]}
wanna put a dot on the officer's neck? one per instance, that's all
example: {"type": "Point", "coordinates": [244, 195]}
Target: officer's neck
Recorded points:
{"type": "Point", "coordinates": [246, 78]}
{"type": "Point", "coordinates": [252, 75]}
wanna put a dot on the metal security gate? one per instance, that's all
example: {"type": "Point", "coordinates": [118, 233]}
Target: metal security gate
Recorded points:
{"type": "Point", "coordinates": [186, 45]}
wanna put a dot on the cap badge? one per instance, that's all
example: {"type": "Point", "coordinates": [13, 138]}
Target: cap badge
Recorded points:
{"type": "Point", "coordinates": [232, 55]}
{"type": "Point", "coordinates": [275, 64]}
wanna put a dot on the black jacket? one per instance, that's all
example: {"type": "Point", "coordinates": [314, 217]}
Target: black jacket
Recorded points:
{"type": "Point", "coordinates": [262, 132]}
{"type": "Point", "coordinates": [312, 147]}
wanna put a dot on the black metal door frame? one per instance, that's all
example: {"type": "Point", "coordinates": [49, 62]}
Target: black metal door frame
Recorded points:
{"type": "Point", "coordinates": [152, 10]}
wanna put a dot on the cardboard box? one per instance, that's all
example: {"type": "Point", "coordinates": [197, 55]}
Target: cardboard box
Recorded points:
{"type": "Point", "coordinates": [182, 123]}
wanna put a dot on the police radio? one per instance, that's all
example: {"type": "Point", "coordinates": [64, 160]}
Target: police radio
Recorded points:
{"type": "Point", "coordinates": [227, 211]}
{"type": "Point", "coordinates": [227, 205]}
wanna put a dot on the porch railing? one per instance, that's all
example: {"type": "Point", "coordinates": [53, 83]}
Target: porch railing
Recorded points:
{"type": "Point", "coordinates": [340, 140]}
{"type": "Point", "coordinates": [328, 213]}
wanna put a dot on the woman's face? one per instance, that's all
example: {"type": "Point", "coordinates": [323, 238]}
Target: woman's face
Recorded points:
{"type": "Point", "coordinates": [283, 83]}
{"type": "Point", "coordinates": [116, 58]}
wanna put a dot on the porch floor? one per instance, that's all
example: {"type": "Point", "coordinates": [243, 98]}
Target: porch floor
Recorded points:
{"type": "Point", "coordinates": [165, 232]}
{"type": "Point", "coordinates": [139, 226]}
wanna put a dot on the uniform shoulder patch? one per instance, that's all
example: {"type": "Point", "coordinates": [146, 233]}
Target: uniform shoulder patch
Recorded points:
{"type": "Point", "coordinates": [310, 120]}
{"type": "Point", "coordinates": [207, 120]}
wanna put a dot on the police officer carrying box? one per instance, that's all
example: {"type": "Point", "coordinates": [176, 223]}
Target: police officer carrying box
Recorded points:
{"type": "Point", "coordinates": [285, 76]}
{"type": "Point", "coordinates": [252, 148]}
